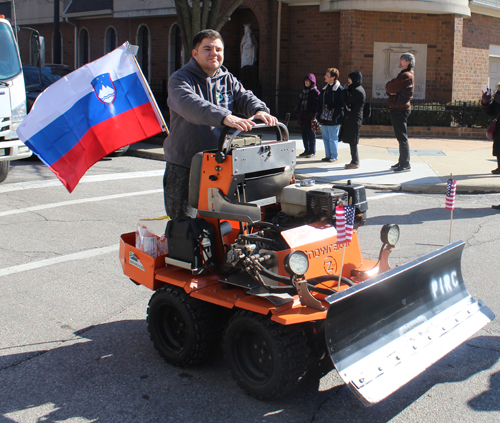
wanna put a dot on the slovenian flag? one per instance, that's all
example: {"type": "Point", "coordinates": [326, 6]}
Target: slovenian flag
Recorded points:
{"type": "Point", "coordinates": [93, 111]}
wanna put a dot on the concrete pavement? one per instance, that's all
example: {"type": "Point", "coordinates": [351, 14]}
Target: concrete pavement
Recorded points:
{"type": "Point", "coordinates": [432, 161]}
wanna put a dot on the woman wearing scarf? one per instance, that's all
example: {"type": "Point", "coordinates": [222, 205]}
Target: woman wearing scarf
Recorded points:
{"type": "Point", "coordinates": [306, 113]}
{"type": "Point", "coordinates": [331, 113]}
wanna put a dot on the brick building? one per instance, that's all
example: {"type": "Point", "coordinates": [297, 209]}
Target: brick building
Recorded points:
{"type": "Point", "coordinates": [456, 42]}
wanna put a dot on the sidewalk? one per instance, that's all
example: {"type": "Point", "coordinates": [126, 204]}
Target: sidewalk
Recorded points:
{"type": "Point", "coordinates": [432, 161]}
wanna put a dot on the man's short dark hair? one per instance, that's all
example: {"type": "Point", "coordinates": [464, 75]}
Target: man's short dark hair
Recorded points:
{"type": "Point", "coordinates": [206, 33]}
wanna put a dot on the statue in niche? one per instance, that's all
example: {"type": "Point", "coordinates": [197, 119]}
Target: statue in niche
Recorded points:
{"type": "Point", "coordinates": [248, 47]}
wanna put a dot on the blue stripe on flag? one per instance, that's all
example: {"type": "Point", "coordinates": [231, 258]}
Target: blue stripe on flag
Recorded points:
{"type": "Point", "coordinates": [62, 134]}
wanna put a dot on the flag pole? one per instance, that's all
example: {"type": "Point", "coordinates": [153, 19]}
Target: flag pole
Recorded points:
{"type": "Point", "coordinates": [451, 216]}
{"type": "Point", "coordinates": [158, 112]}
{"type": "Point", "coordinates": [341, 266]}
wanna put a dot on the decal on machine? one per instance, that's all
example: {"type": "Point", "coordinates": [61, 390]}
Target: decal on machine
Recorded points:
{"type": "Point", "coordinates": [330, 265]}
{"type": "Point", "coordinates": [134, 261]}
{"type": "Point", "coordinates": [327, 249]}
{"type": "Point", "coordinates": [444, 284]}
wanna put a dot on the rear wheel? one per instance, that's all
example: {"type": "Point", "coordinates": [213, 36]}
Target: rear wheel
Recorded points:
{"type": "Point", "coordinates": [184, 330]}
{"type": "Point", "coordinates": [267, 360]}
{"type": "Point", "coordinates": [4, 170]}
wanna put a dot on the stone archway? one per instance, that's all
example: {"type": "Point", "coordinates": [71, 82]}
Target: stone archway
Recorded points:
{"type": "Point", "coordinates": [233, 32]}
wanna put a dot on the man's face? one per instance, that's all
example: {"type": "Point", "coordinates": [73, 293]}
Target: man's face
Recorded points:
{"type": "Point", "coordinates": [209, 55]}
{"type": "Point", "coordinates": [403, 63]}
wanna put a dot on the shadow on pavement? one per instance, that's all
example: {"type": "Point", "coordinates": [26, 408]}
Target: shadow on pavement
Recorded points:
{"type": "Point", "coordinates": [113, 374]}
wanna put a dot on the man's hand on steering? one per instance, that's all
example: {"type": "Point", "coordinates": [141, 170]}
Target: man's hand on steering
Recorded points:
{"type": "Point", "coordinates": [267, 118]}
{"type": "Point", "coordinates": [238, 123]}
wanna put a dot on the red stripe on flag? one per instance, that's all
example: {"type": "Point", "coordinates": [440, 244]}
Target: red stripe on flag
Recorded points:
{"type": "Point", "coordinates": [129, 127]}
{"type": "Point", "coordinates": [340, 224]}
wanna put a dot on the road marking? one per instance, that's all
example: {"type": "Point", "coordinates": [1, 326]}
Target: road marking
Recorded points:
{"type": "Point", "coordinates": [60, 259]}
{"type": "Point", "coordinates": [80, 201]}
{"type": "Point", "coordinates": [380, 197]}
{"type": "Point", "coordinates": [19, 186]}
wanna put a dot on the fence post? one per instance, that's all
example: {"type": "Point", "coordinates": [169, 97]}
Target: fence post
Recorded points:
{"type": "Point", "coordinates": [464, 110]}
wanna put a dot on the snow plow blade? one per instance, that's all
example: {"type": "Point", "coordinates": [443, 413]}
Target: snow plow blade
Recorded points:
{"type": "Point", "coordinates": [385, 331]}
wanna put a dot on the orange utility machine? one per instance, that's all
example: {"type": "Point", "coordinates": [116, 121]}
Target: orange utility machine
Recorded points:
{"type": "Point", "coordinates": [261, 270]}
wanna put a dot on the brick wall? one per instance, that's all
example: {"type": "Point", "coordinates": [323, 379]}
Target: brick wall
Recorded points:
{"type": "Point", "coordinates": [457, 47]}
{"type": "Point", "coordinates": [471, 65]}
{"type": "Point", "coordinates": [352, 36]}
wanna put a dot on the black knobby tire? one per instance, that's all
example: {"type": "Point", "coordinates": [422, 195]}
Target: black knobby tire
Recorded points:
{"type": "Point", "coordinates": [267, 360]}
{"type": "Point", "coordinates": [4, 170]}
{"type": "Point", "coordinates": [184, 330]}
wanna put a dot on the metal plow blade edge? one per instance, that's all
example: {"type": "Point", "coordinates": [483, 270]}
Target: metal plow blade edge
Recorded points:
{"type": "Point", "coordinates": [387, 330]}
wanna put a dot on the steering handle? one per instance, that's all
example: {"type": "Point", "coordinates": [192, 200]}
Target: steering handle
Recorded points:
{"type": "Point", "coordinates": [225, 143]}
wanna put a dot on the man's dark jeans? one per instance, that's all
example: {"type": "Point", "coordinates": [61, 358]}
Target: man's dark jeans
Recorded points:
{"type": "Point", "coordinates": [399, 119]}
{"type": "Point", "coordinates": [176, 192]}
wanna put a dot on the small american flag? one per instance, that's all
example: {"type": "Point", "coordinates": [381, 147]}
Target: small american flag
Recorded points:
{"type": "Point", "coordinates": [451, 190]}
{"type": "Point", "coordinates": [340, 223]}
{"type": "Point", "coordinates": [350, 211]}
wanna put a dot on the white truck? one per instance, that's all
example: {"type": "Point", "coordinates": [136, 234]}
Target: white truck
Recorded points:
{"type": "Point", "coordinates": [12, 95]}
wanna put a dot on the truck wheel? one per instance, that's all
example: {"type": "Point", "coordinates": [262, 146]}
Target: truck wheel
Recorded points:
{"type": "Point", "coordinates": [4, 170]}
{"type": "Point", "coordinates": [184, 330]}
{"type": "Point", "coordinates": [267, 360]}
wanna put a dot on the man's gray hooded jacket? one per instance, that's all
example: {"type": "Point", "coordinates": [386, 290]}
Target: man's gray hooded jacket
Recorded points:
{"type": "Point", "coordinates": [198, 106]}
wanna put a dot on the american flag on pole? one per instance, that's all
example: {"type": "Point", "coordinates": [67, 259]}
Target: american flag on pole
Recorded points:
{"type": "Point", "coordinates": [350, 211]}
{"type": "Point", "coordinates": [451, 190]}
{"type": "Point", "coordinates": [340, 223]}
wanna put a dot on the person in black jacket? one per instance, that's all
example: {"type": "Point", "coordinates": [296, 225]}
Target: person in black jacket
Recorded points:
{"type": "Point", "coordinates": [355, 98]}
{"type": "Point", "coordinates": [331, 113]}
{"type": "Point", "coordinates": [306, 113]}
{"type": "Point", "coordinates": [400, 91]}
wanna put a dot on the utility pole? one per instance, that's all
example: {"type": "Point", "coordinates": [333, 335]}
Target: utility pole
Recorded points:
{"type": "Point", "coordinates": [56, 48]}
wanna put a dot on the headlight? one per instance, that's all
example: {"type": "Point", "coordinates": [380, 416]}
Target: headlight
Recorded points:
{"type": "Point", "coordinates": [297, 263]}
{"type": "Point", "coordinates": [390, 234]}
{"type": "Point", "coordinates": [18, 114]}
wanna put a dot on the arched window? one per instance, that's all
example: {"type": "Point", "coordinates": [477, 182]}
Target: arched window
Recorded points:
{"type": "Point", "coordinates": [110, 40]}
{"type": "Point", "coordinates": [143, 53]}
{"type": "Point", "coordinates": [83, 47]}
{"type": "Point", "coordinates": [176, 50]}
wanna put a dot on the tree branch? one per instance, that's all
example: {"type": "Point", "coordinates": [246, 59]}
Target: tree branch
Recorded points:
{"type": "Point", "coordinates": [214, 14]}
{"type": "Point", "coordinates": [225, 18]}
{"type": "Point", "coordinates": [204, 14]}
{"type": "Point", "coordinates": [183, 16]}
{"type": "Point", "coordinates": [195, 18]}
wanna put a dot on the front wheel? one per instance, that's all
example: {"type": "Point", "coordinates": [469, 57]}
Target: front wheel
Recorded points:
{"type": "Point", "coordinates": [267, 360]}
{"type": "Point", "coordinates": [4, 170]}
{"type": "Point", "coordinates": [184, 330]}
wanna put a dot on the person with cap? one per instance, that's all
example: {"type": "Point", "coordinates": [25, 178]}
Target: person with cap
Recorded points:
{"type": "Point", "coordinates": [355, 98]}
{"type": "Point", "coordinates": [400, 91]}
{"type": "Point", "coordinates": [306, 113]}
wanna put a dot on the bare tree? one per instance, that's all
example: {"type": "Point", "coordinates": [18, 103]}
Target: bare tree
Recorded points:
{"type": "Point", "coordinates": [194, 16]}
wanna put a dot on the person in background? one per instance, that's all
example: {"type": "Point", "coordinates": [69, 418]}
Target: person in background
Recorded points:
{"type": "Point", "coordinates": [400, 91]}
{"type": "Point", "coordinates": [491, 106]}
{"type": "Point", "coordinates": [202, 97]}
{"type": "Point", "coordinates": [331, 113]}
{"type": "Point", "coordinates": [307, 106]}
{"type": "Point", "coordinates": [355, 98]}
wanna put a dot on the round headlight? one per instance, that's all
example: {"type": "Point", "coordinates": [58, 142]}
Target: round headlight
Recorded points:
{"type": "Point", "coordinates": [390, 234]}
{"type": "Point", "coordinates": [297, 263]}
